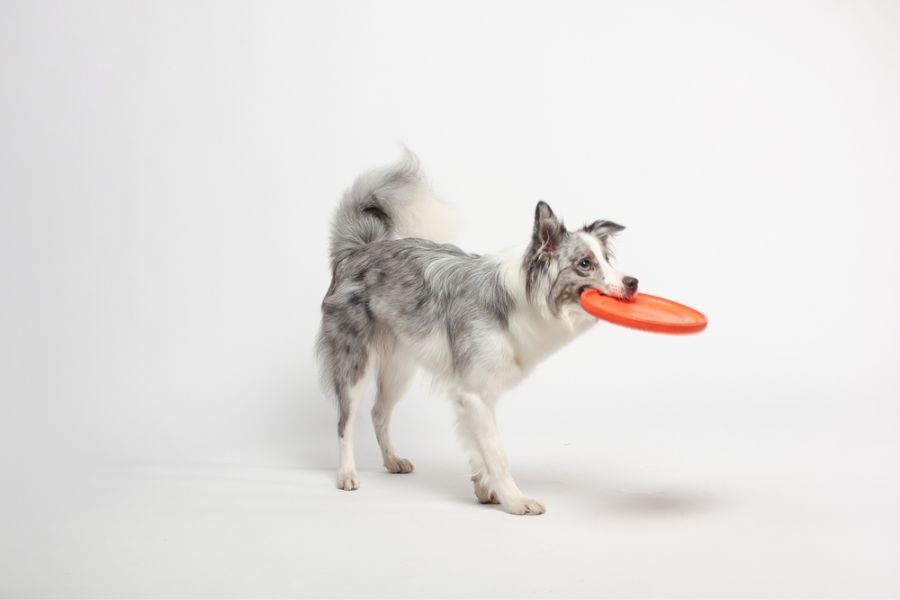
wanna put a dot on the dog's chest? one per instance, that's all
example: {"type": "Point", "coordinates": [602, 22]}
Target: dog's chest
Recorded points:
{"type": "Point", "coordinates": [534, 338]}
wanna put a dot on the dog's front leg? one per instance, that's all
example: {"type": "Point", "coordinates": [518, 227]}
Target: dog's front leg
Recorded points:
{"type": "Point", "coordinates": [478, 425]}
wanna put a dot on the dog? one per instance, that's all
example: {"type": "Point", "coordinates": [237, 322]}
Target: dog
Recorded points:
{"type": "Point", "coordinates": [401, 299]}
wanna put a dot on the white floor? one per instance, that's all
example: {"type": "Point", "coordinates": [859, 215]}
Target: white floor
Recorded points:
{"type": "Point", "coordinates": [660, 515]}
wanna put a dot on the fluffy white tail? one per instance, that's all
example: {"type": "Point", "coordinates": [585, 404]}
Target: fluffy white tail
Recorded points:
{"type": "Point", "coordinates": [392, 202]}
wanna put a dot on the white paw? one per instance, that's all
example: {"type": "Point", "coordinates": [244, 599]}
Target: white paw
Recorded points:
{"type": "Point", "coordinates": [484, 495]}
{"type": "Point", "coordinates": [398, 465]}
{"type": "Point", "coordinates": [348, 481]}
{"type": "Point", "coordinates": [524, 506]}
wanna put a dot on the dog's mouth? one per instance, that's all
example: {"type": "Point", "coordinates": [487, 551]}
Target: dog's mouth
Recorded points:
{"type": "Point", "coordinates": [619, 294]}
{"type": "Point", "coordinates": [624, 295]}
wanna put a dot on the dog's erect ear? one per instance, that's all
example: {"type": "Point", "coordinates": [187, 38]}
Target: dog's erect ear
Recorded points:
{"type": "Point", "coordinates": [603, 229]}
{"type": "Point", "coordinates": [548, 230]}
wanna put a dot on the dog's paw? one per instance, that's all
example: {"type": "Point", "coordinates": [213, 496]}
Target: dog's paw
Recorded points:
{"type": "Point", "coordinates": [524, 506]}
{"type": "Point", "coordinates": [395, 464]}
{"type": "Point", "coordinates": [348, 481]}
{"type": "Point", "coordinates": [482, 492]}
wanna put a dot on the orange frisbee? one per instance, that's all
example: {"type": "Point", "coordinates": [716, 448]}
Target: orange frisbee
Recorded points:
{"type": "Point", "coordinates": [646, 312]}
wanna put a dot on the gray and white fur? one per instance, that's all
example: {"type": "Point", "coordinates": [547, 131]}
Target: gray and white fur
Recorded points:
{"type": "Point", "coordinates": [400, 300]}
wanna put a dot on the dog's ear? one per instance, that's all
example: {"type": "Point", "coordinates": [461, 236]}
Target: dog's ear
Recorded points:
{"type": "Point", "coordinates": [548, 230]}
{"type": "Point", "coordinates": [603, 229]}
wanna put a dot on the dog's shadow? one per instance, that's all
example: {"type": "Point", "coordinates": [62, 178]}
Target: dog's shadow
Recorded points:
{"type": "Point", "coordinates": [600, 493]}
{"type": "Point", "coordinates": [603, 493]}
{"type": "Point", "coordinates": [659, 502]}
{"type": "Point", "coordinates": [648, 499]}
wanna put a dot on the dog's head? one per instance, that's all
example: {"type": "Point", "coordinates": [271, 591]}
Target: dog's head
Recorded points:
{"type": "Point", "coordinates": [561, 264]}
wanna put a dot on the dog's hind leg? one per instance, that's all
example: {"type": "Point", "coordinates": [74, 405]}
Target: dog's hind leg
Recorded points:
{"type": "Point", "coordinates": [344, 356]}
{"type": "Point", "coordinates": [348, 399]}
{"type": "Point", "coordinates": [395, 371]}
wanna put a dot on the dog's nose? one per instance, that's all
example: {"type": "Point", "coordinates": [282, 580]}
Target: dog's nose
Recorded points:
{"type": "Point", "coordinates": [630, 283]}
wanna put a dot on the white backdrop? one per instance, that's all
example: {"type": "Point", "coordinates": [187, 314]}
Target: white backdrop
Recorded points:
{"type": "Point", "coordinates": [167, 174]}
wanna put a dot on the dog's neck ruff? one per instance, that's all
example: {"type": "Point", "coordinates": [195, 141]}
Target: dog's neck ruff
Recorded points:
{"type": "Point", "coordinates": [535, 330]}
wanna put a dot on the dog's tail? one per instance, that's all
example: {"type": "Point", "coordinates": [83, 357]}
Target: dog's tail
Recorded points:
{"type": "Point", "coordinates": [388, 203]}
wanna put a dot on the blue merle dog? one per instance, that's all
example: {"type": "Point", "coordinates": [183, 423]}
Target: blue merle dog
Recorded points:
{"type": "Point", "coordinates": [399, 299]}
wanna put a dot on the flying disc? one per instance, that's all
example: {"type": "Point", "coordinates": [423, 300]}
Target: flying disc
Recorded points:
{"type": "Point", "coordinates": [650, 313]}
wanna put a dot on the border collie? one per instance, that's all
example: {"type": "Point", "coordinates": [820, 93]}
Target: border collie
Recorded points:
{"type": "Point", "coordinates": [400, 299]}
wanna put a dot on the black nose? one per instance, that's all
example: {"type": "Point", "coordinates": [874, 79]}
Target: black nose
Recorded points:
{"type": "Point", "coordinates": [630, 283]}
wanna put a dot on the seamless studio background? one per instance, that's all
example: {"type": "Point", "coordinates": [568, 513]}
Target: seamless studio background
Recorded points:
{"type": "Point", "coordinates": [167, 175]}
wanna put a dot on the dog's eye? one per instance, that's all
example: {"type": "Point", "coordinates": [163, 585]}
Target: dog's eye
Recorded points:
{"type": "Point", "coordinates": [584, 263]}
